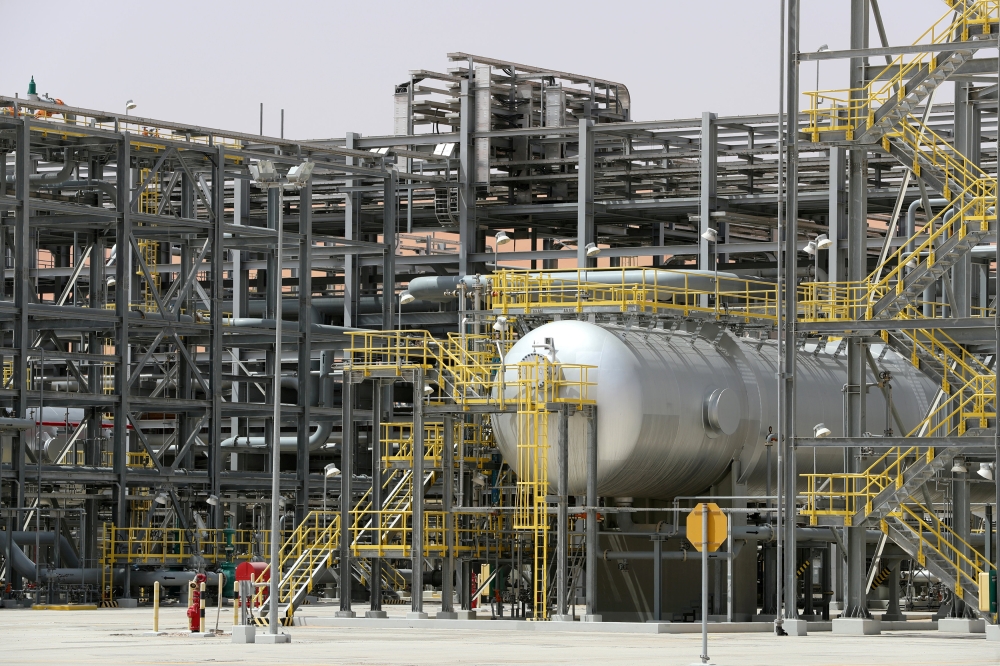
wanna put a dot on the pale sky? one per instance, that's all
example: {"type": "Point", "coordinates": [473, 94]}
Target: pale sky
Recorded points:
{"type": "Point", "coordinates": [332, 65]}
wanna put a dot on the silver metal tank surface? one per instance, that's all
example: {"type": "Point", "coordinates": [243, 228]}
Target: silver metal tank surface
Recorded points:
{"type": "Point", "coordinates": [675, 408]}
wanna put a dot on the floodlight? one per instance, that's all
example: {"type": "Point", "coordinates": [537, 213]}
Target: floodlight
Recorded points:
{"type": "Point", "coordinates": [823, 242]}
{"type": "Point", "coordinates": [129, 105]}
{"type": "Point", "coordinates": [300, 173]}
{"type": "Point", "coordinates": [810, 248]}
{"type": "Point", "coordinates": [331, 470]}
{"type": "Point", "coordinates": [710, 235]}
{"type": "Point", "coordinates": [959, 467]}
{"type": "Point", "coordinates": [161, 499]}
{"type": "Point", "coordinates": [263, 171]}
{"type": "Point", "coordinates": [503, 238]}
{"type": "Point", "coordinates": [592, 250]}
{"type": "Point", "coordinates": [406, 297]}
{"type": "Point", "coordinates": [820, 430]}
{"type": "Point", "coordinates": [213, 500]}
{"type": "Point", "coordinates": [986, 471]}
{"type": "Point", "coordinates": [500, 325]}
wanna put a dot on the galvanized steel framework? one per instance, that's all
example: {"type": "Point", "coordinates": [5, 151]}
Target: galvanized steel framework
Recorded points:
{"type": "Point", "coordinates": [152, 303]}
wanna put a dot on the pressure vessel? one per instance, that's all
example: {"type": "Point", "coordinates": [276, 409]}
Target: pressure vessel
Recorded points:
{"type": "Point", "coordinates": [678, 408]}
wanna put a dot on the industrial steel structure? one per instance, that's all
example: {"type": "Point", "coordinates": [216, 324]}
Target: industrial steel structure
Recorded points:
{"type": "Point", "coordinates": [191, 318]}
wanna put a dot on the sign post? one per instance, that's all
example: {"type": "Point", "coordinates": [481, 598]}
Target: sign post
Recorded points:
{"type": "Point", "coordinates": [707, 528]}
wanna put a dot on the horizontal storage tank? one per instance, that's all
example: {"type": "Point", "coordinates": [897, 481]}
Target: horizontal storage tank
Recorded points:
{"type": "Point", "coordinates": [675, 408]}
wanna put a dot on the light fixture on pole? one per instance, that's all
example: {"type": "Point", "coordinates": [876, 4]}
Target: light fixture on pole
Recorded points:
{"type": "Point", "coordinates": [986, 471]}
{"type": "Point", "coordinates": [129, 105]}
{"type": "Point", "coordinates": [213, 500]}
{"type": "Point", "coordinates": [591, 249]}
{"type": "Point", "coordinates": [405, 298]}
{"type": "Point", "coordinates": [266, 176]}
{"type": "Point", "coordinates": [161, 498]}
{"type": "Point", "coordinates": [712, 236]}
{"type": "Point", "coordinates": [328, 471]}
{"type": "Point", "coordinates": [500, 325]}
{"type": "Point", "coordinates": [820, 430]}
{"type": "Point", "coordinates": [824, 47]}
{"type": "Point", "coordinates": [810, 248]}
{"type": "Point", "coordinates": [958, 467]}
{"type": "Point", "coordinates": [823, 242]}
{"type": "Point", "coordinates": [501, 238]}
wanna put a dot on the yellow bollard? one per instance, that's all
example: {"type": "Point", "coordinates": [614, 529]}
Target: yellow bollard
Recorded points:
{"type": "Point", "coordinates": [156, 606]}
{"type": "Point", "coordinates": [236, 604]}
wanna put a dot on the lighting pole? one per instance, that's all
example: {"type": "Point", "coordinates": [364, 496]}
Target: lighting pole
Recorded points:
{"type": "Point", "coordinates": [712, 236]}
{"type": "Point", "coordinates": [266, 177]}
{"type": "Point", "coordinates": [501, 239]}
{"type": "Point", "coordinates": [824, 47]}
{"type": "Point", "coordinates": [405, 298]}
{"type": "Point", "coordinates": [129, 105]}
{"type": "Point", "coordinates": [328, 471]}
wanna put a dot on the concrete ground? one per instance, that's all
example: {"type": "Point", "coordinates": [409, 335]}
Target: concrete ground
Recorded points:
{"type": "Point", "coordinates": [115, 636]}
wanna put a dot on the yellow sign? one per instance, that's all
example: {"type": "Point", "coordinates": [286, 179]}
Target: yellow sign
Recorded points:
{"type": "Point", "coordinates": [717, 526]}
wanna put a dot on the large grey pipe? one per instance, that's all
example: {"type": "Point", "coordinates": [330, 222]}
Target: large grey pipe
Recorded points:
{"type": "Point", "coordinates": [321, 435]}
{"type": "Point", "coordinates": [66, 551]}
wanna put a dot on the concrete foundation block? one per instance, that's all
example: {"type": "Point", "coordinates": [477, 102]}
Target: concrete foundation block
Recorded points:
{"type": "Point", "coordinates": [593, 618]}
{"type": "Point", "coordinates": [856, 626]}
{"type": "Point", "coordinates": [244, 633]}
{"type": "Point", "coordinates": [273, 638]}
{"type": "Point", "coordinates": [961, 625]}
{"type": "Point", "coordinates": [562, 618]}
{"type": "Point", "coordinates": [128, 603]}
{"type": "Point", "coordinates": [795, 627]}
{"type": "Point", "coordinates": [993, 632]}
{"type": "Point", "coordinates": [10, 603]}
{"type": "Point", "coordinates": [345, 614]}
{"type": "Point", "coordinates": [380, 614]}
{"type": "Point", "coordinates": [446, 615]}
{"type": "Point", "coordinates": [466, 615]}
{"type": "Point", "coordinates": [419, 615]}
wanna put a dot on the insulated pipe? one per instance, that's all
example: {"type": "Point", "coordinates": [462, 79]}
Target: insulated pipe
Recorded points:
{"type": "Point", "coordinates": [321, 435]}
{"type": "Point", "coordinates": [66, 550]}
{"type": "Point", "coordinates": [56, 178]}
{"type": "Point", "coordinates": [105, 187]}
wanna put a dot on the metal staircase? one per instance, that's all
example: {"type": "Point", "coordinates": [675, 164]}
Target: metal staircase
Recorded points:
{"type": "Point", "coordinates": [925, 538]}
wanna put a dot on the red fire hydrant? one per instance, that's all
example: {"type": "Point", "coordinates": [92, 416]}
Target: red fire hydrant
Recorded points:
{"type": "Point", "coordinates": [196, 606]}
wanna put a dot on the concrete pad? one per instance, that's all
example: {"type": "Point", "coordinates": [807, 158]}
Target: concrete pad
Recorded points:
{"type": "Point", "coordinates": [592, 618]}
{"type": "Point", "coordinates": [856, 626]}
{"type": "Point", "coordinates": [204, 634]}
{"type": "Point", "coordinates": [795, 627]}
{"type": "Point", "coordinates": [244, 633]}
{"type": "Point", "coordinates": [446, 615]}
{"type": "Point", "coordinates": [563, 618]}
{"type": "Point", "coordinates": [343, 613]}
{"type": "Point", "coordinates": [419, 615]}
{"type": "Point", "coordinates": [267, 638]}
{"type": "Point", "coordinates": [993, 632]}
{"type": "Point", "coordinates": [154, 633]}
{"type": "Point", "coordinates": [376, 614]}
{"type": "Point", "coordinates": [961, 625]}
{"type": "Point", "coordinates": [466, 615]}
{"type": "Point", "coordinates": [10, 603]}
{"type": "Point", "coordinates": [128, 603]}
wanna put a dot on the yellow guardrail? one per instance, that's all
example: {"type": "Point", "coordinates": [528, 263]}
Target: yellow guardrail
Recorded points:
{"type": "Point", "coordinates": [934, 535]}
{"type": "Point", "coordinates": [647, 290]}
{"type": "Point", "coordinates": [852, 109]}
